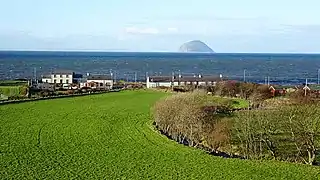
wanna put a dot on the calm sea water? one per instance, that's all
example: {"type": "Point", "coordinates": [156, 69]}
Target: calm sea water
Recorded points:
{"type": "Point", "coordinates": [281, 68]}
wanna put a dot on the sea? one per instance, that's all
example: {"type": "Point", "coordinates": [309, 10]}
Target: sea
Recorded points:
{"type": "Point", "coordinates": [129, 66]}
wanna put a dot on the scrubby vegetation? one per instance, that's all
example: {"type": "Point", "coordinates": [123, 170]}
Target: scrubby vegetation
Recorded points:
{"type": "Point", "coordinates": [194, 119]}
{"type": "Point", "coordinates": [110, 136]}
{"type": "Point", "coordinates": [287, 133]}
{"type": "Point", "coordinates": [13, 89]}
{"type": "Point", "coordinates": [291, 133]}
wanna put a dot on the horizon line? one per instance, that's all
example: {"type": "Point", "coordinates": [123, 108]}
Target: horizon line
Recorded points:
{"type": "Point", "coordinates": [126, 51]}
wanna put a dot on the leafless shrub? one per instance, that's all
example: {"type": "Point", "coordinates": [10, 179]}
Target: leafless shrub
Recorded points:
{"type": "Point", "coordinates": [289, 133]}
{"type": "Point", "coordinates": [186, 118]}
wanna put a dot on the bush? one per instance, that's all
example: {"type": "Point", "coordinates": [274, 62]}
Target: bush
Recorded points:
{"type": "Point", "coordinates": [193, 119]}
{"type": "Point", "coordinates": [290, 133]}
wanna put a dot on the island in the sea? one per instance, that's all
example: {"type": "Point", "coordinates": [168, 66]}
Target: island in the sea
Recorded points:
{"type": "Point", "coordinates": [195, 46]}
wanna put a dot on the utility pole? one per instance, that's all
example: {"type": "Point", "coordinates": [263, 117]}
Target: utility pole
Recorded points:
{"type": "Point", "coordinates": [35, 74]}
{"type": "Point", "coordinates": [305, 87]}
{"type": "Point", "coordinates": [265, 80]}
{"type": "Point", "coordinates": [318, 76]}
{"type": "Point", "coordinates": [179, 83]}
{"type": "Point", "coordinates": [135, 77]}
{"type": "Point", "coordinates": [172, 80]}
{"type": "Point", "coordinates": [244, 75]}
{"type": "Point", "coordinates": [147, 75]}
{"type": "Point", "coordinates": [306, 82]}
{"type": "Point", "coordinates": [268, 81]}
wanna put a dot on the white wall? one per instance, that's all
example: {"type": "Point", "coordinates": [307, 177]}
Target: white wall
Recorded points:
{"type": "Point", "coordinates": [165, 84]}
{"type": "Point", "coordinates": [63, 77]}
{"type": "Point", "coordinates": [46, 80]}
{"type": "Point", "coordinates": [105, 83]}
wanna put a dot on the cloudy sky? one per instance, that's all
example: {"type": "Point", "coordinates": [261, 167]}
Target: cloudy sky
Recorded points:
{"type": "Point", "coordinates": [149, 25]}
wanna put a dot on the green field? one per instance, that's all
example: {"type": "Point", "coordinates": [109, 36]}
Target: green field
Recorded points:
{"type": "Point", "coordinates": [110, 136]}
{"type": "Point", "coordinates": [13, 90]}
{"type": "Point", "coordinates": [234, 102]}
{"type": "Point", "coordinates": [10, 90]}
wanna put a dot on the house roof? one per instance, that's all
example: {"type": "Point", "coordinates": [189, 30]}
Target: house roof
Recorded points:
{"type": "Point", "coordinates": [184, 79]}
{"type": "Point", "coordinates": [160, 78]}
{"type": "Point", "coordinates": [67, 72]}
{"type": "Point", "coordinates": [99, 77]}
{"type": "Point", "coordinates": [199, 79]}
{"type": "Point", "coordinates": [281, 87]}
{"type": "Point", "coordinates": [46, 76]}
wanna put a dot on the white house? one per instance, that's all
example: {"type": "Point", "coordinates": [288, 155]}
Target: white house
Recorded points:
{"type": "Point", "coordinates": [99, 82]}
{"type": "Point", "coordinates": [59, 77]}
{"type": "Point", "coordinates": [158, 81]}
{"type": "Point", "coordinates": [169, 81]}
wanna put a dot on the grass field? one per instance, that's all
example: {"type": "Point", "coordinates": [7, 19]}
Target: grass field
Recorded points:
{"type": "Point", "coordinates": [235, 102]}
{"type": "Point", "coordinates": [110, 136]}
{"type": "Point", "coordinates": [10, 90]}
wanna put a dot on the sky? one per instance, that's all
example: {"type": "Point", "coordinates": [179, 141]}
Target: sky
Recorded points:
{"type": "Point", "coordinates": [228, 26]}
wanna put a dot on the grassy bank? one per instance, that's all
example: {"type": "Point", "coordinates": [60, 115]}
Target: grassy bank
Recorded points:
{"type": "Point", "coordinates": [13, 90]}
{"type": "Point", "coordinates": [110, 136]}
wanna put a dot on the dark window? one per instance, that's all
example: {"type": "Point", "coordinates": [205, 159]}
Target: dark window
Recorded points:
{"type": "Point", "coordinates": [60, 81]}
{"type": "Point", "coordinates": [67, 75]}
{"type": "Point", "coordinates": [101, 84]}
{"type": "Point", "coordinates": [67, 81]}
{"type": "Point", "coordinates": [54, 75]}
{"type": "Point", "coordinates": [55, 81]}
{"type": "Point", "coordinates": [46, 81]}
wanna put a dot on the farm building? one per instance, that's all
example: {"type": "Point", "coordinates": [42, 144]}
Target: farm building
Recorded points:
{"type": "Point", "coordinates": [278, 90]}
{"type": "Point", "coordinates": [98, 82]}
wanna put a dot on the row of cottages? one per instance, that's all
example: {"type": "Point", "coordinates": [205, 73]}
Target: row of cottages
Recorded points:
{"type": "Point", "coordinates": [310, 89]}
{"type": "Point", "coordinates": [170, 81]}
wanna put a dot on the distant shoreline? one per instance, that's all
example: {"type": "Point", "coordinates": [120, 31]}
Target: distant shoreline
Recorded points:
{"type": "Point", "coordinates": [159, 52]}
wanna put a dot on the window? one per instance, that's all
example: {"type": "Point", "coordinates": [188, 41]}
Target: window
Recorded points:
{"type": "Point", "coordinates": [46, 81]}
{"type": "Point", "coordinates": [60, 81]}
{"type": "Point", "coordinates": [67, 75]}
{"type": "Point", "coordinates": [55, 81]}
{"type": "Point", "coordinates": [67, 81]}
{"type": "Point", "coordinates": [101, 84]}
{"type": "Point", "coordinates": [55, 75]}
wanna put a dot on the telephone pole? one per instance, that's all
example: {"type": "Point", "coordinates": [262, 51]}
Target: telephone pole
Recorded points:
{"type": "Point", "coordinates": [305, 87]}
{"type": "Point", "coordinates": [265, 80]}
{"type": "Point", "coordinates": [35, 74]}
{"type": "Point", "coordinates": [318, 76]}
{"type": "Point", "coordinates": [135, 77]}
{"type": "Point", "coordinates": [244, 75]}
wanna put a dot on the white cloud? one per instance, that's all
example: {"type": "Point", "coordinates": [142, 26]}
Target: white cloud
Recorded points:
{"type": "Point", "coordinates": [135, 30]}
{"type": "Point", "coordinates": [172, 29]}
